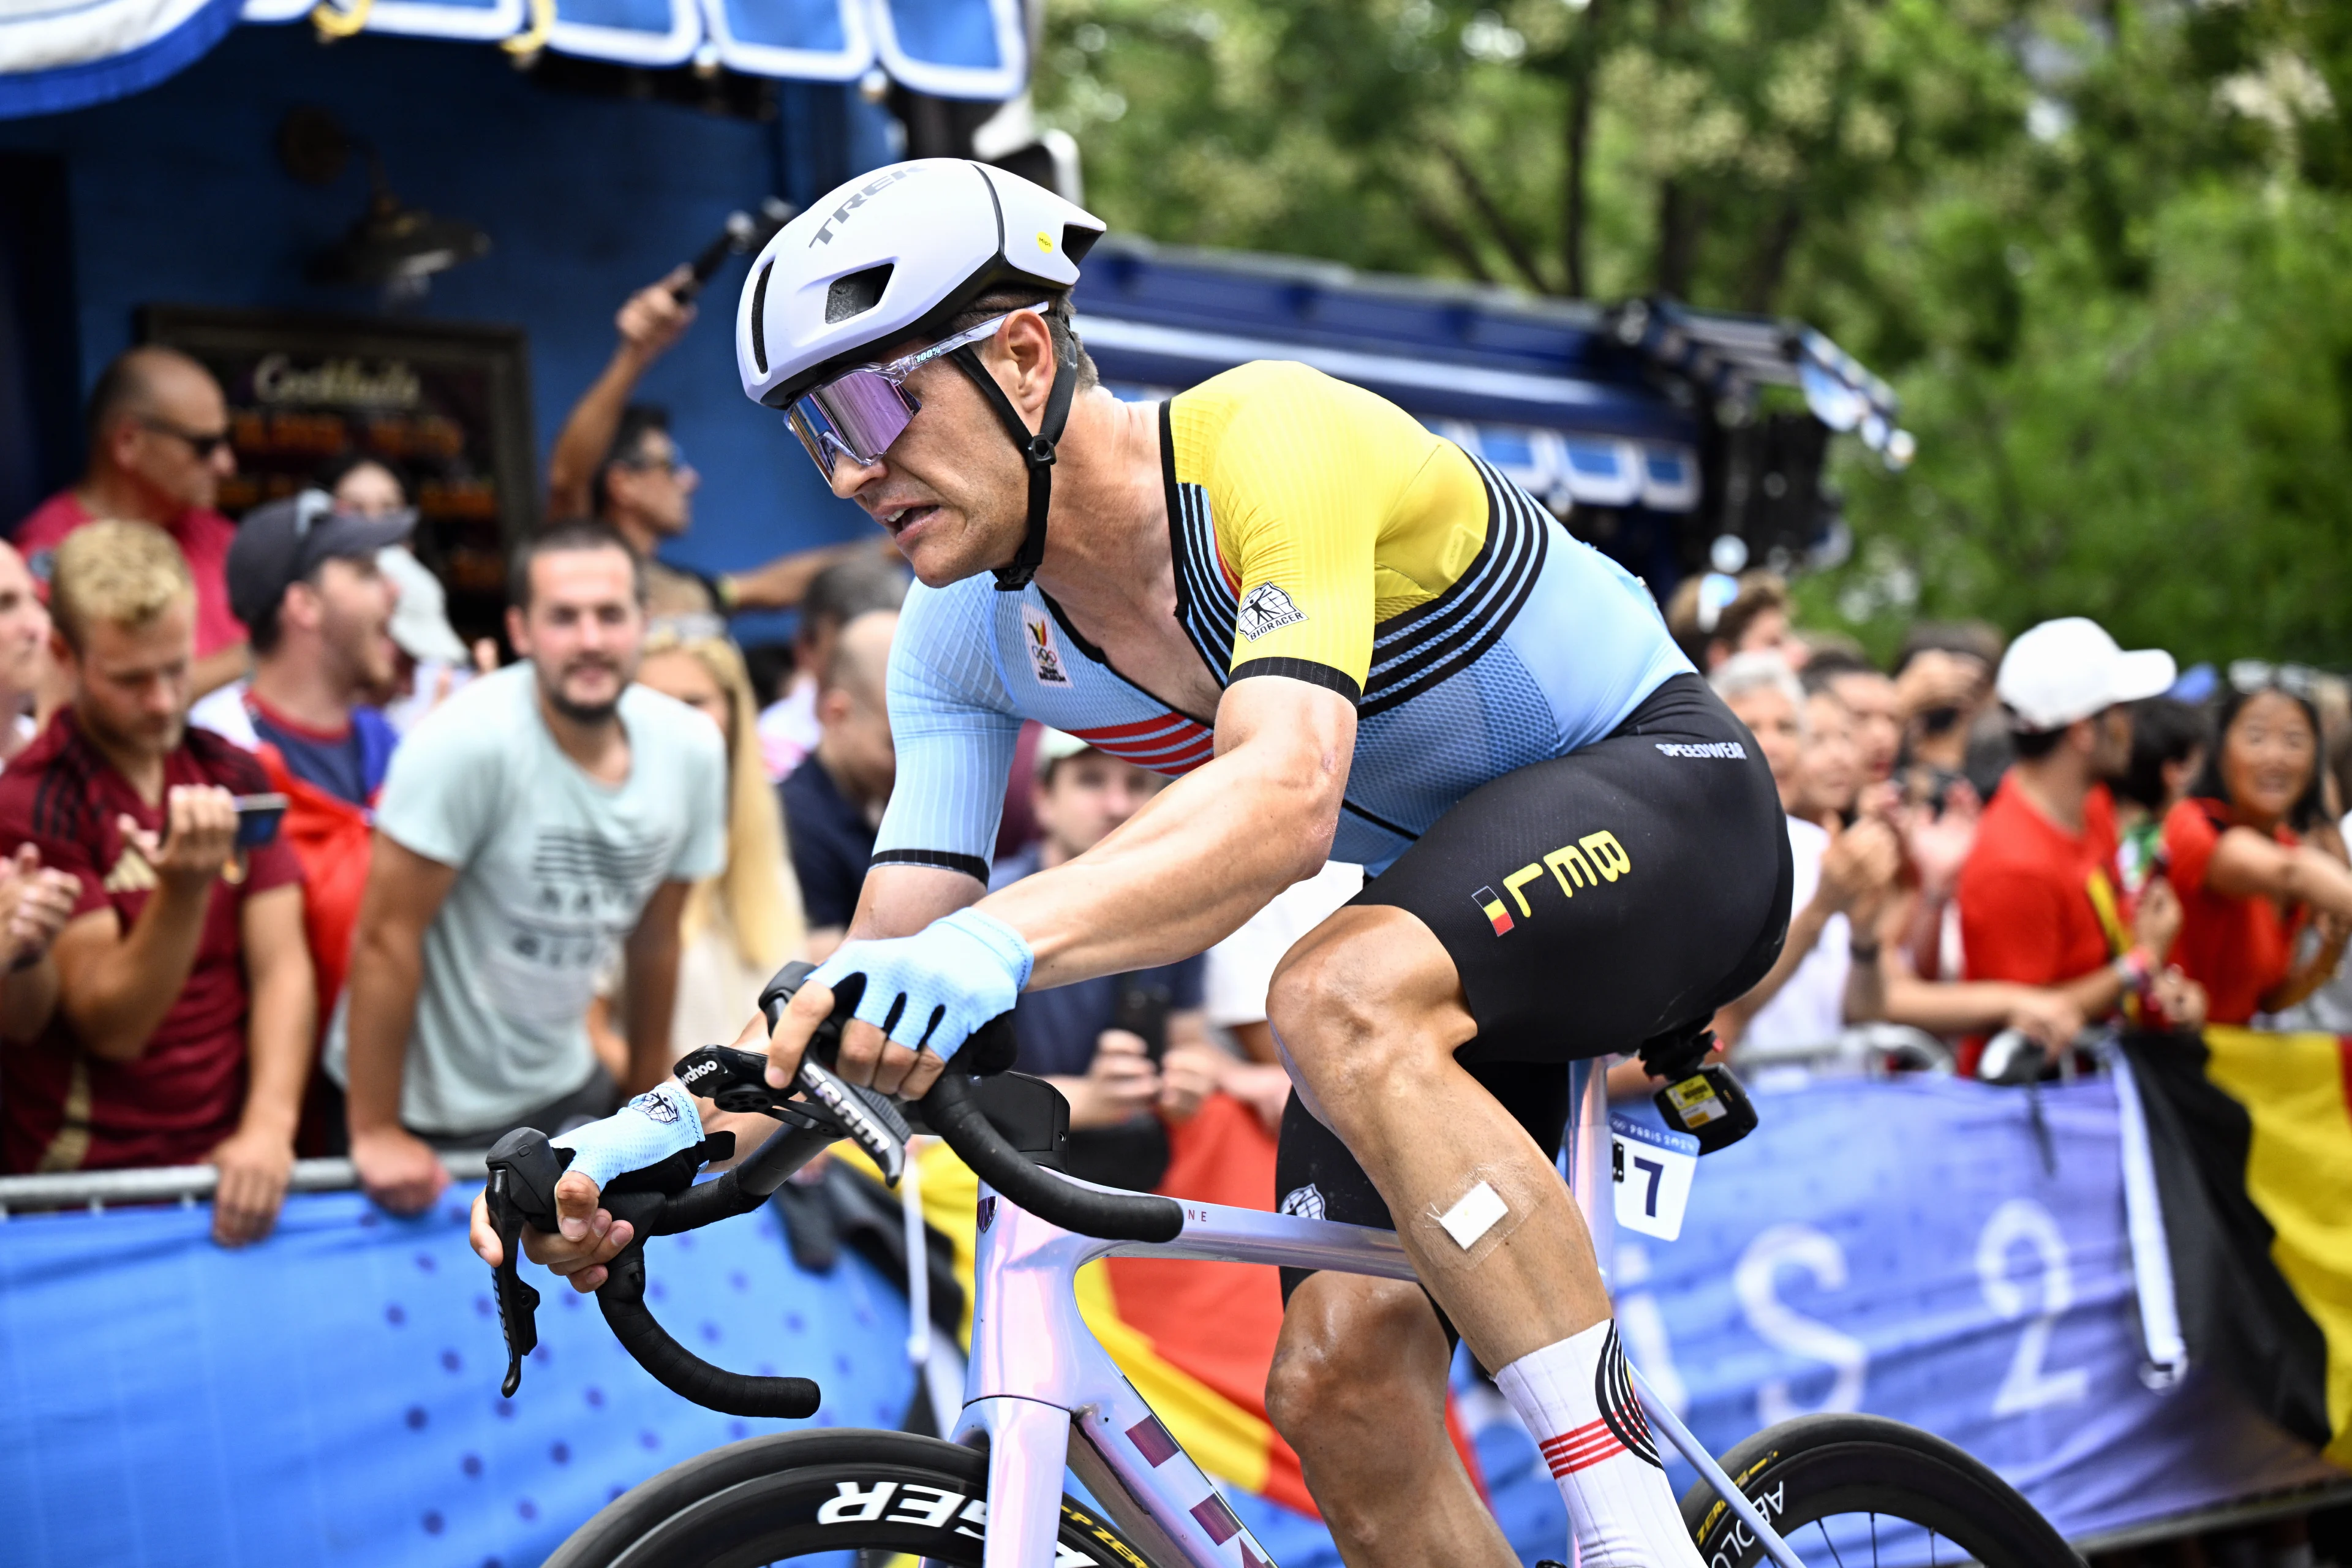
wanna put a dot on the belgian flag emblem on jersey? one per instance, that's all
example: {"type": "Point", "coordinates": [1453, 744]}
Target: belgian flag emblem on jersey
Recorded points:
{"type": "Point", "coordinates": [1492, 908]}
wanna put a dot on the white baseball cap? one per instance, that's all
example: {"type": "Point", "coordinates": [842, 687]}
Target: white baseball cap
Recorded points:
{"type": "Point", "coordinates": [420, 621]}
{"type": "Point", "coordinates": [1054, 745]}
{"type": "Point", "coordinates": [2070, 668]}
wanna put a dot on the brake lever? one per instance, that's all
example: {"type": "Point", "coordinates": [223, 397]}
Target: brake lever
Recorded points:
{"type": "Point", "coordinates": [524, 1168]}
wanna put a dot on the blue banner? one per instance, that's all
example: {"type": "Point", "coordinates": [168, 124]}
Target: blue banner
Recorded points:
{"type": "Point", "coordinates": [1918, 1249]}
{"type": "Point", "coordinates": [332, 1396]}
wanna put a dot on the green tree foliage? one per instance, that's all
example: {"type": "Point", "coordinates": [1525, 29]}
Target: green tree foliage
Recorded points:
{"type": "Point", "coordinates": [2104, 248]}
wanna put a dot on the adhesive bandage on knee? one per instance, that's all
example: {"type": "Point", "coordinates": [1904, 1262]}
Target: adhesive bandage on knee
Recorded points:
{"type": "Point", "coordinates": [1577, 1397]}
{"type": "Point", "coordinates": [1461, 1233]}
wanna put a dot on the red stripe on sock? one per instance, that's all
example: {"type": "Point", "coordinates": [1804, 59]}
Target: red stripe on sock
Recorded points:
{"type": "Point", "coordinates": [1585, 1445]}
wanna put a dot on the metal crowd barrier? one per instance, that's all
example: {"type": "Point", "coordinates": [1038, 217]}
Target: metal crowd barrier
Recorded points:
{"type": "Point", "coordinates": [185, 1185]}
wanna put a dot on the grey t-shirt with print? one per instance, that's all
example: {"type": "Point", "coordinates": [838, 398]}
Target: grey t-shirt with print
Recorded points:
{"type": "Point", "coordinates": [553, 869]}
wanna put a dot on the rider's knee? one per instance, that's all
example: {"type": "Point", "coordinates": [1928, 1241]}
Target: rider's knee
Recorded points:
{"type": "Point", "coordinates": [1345, 1013]}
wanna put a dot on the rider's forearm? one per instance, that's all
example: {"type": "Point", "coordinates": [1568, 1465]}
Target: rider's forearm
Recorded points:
{"type": "Point", "coordinates": [1204, 854]}
{"type": "Point", "coordinates": [652, 991]}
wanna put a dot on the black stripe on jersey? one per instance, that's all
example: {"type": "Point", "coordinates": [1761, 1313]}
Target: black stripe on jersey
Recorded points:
{"type": "Point", "coordinates": [1205, 607]}
{"type": "Point", "coordinates": [971, 865]}
{"type": "Point", "coordinates": [1415, 650]}
{"type": "Point", "coordinates": [1306, 669]}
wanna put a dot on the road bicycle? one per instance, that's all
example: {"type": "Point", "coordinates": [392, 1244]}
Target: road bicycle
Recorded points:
{"type": "Point", "coordinates": [1042, 1395]}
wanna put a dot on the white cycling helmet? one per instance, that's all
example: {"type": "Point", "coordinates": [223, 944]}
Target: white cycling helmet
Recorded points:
{"type": "Point", "coordinates": [894, 255]}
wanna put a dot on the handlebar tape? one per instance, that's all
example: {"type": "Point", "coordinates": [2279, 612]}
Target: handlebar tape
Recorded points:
{"type": "Point", "coordinates": [622, 1299]}
{"type": "Point", "coordinates": [951, 1111]}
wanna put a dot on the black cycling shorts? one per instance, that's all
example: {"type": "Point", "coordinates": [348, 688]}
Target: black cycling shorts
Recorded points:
{"type": "Point", "coordinates": [1590, 903]}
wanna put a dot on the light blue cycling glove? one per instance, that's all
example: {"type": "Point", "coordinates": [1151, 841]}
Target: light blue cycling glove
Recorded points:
{"type": "Point", "coordinates": [936, 987]}
{"type": "Point", "coordinates": [645, 1131]}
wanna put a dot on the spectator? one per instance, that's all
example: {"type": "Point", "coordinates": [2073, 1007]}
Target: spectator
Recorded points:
{"type": "Point", "coordinates": [536, 820]}
{"type": "Point", "coordinates": [838, 595]}
{"type": "Point", "coordinates": [2167, 750]}
{"type": "Point", "coordinates": [1943, 684]}
{"type": "Point", "coordinates": [834, 800]}
{"type": "Point", "coordinates": [1871, 704]}
{"type": "Point", "coordinates": [1241, 971]}
{"type": "Point", "coordinates": [184, 1006]}
{"type": "Point", "coordinates": [429, 659]}
{"type": "Point", "coordinates": [2038, 897]}
{"type": "Point", "coordinates": [1829, 765]}
{"type": "Point", "coordinates": [1088, 1039]}
{"type": "Point", "coordinates": [27, 679]}
{"type": "Point", "coordinates": [745, 924]}
{"type": "Point", "coordinates": [158, 431]}
{"type": "Point", "coordinates": [2247, 879]}
{"type": "Point", "coordinates": [616, 460]}
{"type": "Point", "coordinates": [1827, 975]}
{"type": "Point", "coordinates": [304, 577]}
{"type": "Point", "coordinates": [1714, 617]}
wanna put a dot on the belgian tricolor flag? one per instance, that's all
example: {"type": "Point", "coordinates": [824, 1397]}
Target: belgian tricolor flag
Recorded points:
{"type": "Point", "coordinates": [2251, 1136]}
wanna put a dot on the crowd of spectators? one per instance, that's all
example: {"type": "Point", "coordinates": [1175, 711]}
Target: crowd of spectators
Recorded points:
{"type": "Point", "coordinates": [287, 866]}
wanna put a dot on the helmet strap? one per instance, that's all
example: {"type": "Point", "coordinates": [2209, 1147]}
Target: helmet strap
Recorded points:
{"type": "Point", "coordinates": [1037, 451]}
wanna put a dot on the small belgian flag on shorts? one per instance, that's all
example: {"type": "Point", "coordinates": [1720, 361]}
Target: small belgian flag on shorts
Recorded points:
{"type": "Point", "coordinates": [1499, 917]}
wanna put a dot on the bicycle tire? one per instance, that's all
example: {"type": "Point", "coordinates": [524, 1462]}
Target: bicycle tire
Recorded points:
{"type": "Point", "coordinates": [765, 1500]}
{"type": "Point", "coordinates": [1818, 1466]}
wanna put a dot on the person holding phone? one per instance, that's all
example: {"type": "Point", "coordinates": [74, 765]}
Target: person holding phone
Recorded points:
{"type": "Point", "coordinates": [185, 996]}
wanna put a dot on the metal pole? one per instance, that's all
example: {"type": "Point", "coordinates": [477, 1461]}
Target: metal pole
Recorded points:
{"type": "Point", "coordinates": [95, 1190]}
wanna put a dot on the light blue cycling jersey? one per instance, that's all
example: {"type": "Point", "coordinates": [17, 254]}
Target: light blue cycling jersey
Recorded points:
{"type": "Point", "coordinates": [1320, 533]}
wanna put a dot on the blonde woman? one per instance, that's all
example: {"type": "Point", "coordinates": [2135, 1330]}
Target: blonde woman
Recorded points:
{"type": "Point", "coordinates": [740, 926]}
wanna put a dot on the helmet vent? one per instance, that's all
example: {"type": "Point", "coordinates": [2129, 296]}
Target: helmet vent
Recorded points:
{"type": "Point", "coordinates": [855, 294]}
{"type": "Point", "coordinates": [1077, 241]}
{"type": "Point", "coordinates": [760, 316]}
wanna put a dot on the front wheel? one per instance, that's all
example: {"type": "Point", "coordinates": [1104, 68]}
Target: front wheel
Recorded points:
{"type": "Point", "coordinates": [1845, 1489]}
{"type": "Point", "coordinates": [880, 1495]}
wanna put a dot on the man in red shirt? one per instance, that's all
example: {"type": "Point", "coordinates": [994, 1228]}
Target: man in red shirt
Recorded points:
{"type": "Point", "coordinates": [2040, 901]}
{"type": "Point", "coordinates": [158, 451]}
{"type": "Point", "coordinates": [185, 1003]}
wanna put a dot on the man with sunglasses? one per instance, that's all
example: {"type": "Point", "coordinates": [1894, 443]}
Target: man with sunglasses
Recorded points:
{"type": "Point", "coordinates": [1344, 638]}
{"type": "Point", "coordinates": [159, 449]}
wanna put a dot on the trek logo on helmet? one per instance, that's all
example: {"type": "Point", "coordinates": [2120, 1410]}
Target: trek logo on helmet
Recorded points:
{"type": "Point", "coordinates": [841, 213]}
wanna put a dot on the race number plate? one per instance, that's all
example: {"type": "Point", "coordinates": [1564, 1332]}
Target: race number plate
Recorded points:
{"type": "Point", "coordinates": [1653, 1170]}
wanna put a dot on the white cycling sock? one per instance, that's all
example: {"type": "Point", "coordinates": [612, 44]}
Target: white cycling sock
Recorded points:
{"type": "Point", "coordinates": [1578, 1399]}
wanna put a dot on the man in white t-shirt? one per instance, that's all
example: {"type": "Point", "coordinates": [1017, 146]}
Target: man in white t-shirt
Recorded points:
{"type": "Point", "coordinates": [537, 820]}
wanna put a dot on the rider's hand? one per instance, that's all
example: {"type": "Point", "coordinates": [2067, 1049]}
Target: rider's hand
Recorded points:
{"type": "Point", "coordinates": [1188, 1075]}
{"type": "Point", "coordinates": [254, 1165]}
{"type": "Point", "coordinates": [931, 990]}
{"type": "Point", "coordinates": [398, 1169]}
{"type": "Point", "coordinates": [653, 320]}
{"type": "Point", "coordinates": [199, 835]}
{"type": "Point", "coordinates": [586, 1237]}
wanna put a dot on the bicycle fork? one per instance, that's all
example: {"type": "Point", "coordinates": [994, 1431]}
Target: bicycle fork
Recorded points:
{"type": "Point", "coordinates": [1027, 1386]}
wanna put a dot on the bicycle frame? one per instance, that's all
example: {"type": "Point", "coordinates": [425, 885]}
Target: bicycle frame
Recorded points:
{"type": "Point", "coordinates": [1037, 1377]}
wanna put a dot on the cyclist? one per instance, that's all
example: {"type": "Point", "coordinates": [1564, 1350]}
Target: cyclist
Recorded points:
{"type": "Point", "coordinates": [1347, 638]}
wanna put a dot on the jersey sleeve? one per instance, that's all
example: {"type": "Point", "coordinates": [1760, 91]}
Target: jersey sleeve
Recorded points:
{"type": "Point", "coordinates": [443, 794]}
{"type": "Point", "coordinates": [955, 730]}
{"type": "Point", "coordinates": [1302, 481]}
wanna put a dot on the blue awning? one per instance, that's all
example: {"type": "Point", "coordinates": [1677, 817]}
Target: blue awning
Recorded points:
{"type": "Point", "coordinates": [57, 55]}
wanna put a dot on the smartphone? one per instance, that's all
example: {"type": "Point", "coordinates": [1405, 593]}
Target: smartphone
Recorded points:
{"type": "Point", "coordinates": [258, 816]}
{"type": "Point", "coordinates": [1142, 1010]}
